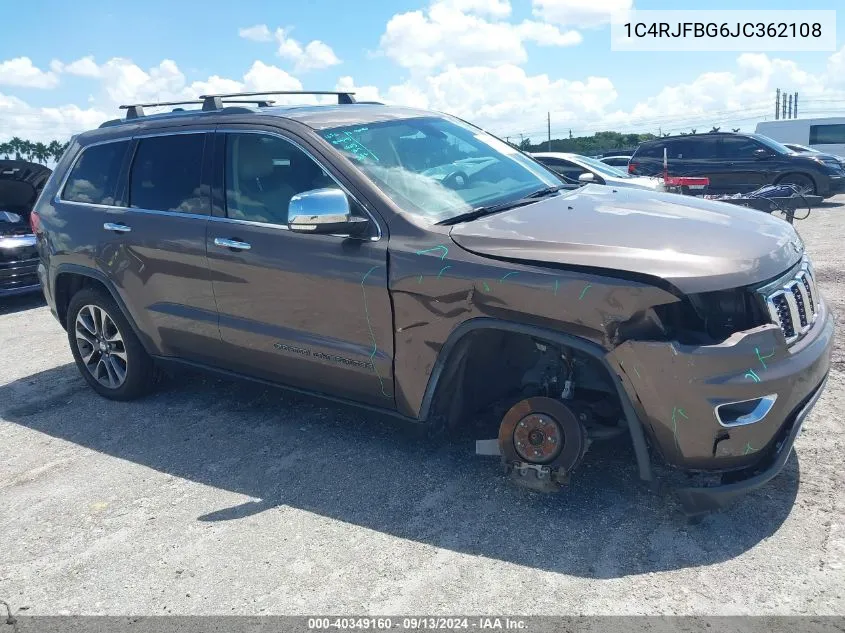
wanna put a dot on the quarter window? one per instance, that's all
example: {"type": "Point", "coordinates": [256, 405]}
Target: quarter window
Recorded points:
{"type": "Point", "coordinates": [827, 134]}
{"type": "Point", "coordinates": [167, 174]}
{"type": "Point", "coordinates": [263, 173]}
{"type": "Point", "coordinates": [94, 177]}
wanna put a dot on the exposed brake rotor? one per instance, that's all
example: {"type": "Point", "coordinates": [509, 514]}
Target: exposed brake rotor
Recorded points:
{"type": "Point", "coordinates": [541, 442]}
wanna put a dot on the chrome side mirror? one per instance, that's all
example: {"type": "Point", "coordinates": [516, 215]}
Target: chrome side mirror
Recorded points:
{"type": "Point", "coordinates": [587, 177]}
{"type": "Point", "coordinates": [324, 211]}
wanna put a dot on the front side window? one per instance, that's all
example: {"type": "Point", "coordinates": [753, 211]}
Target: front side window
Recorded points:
{"type": "Point", "coordinates": [167, 174]}
{"type": "Point", "coordinates": [94, 176]}
{"type": "Point", "coordinates": [738, 147]}
{"type": "Point", "coordinates": [263, 173]}
{"type": "Point", "coordinates": [436, 169]}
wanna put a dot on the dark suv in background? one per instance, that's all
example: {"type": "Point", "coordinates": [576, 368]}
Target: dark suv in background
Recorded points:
{"type": "Point", "coordinates": [738, 163]}
{"type": "Point", "coordinates": [411, 263]}
{"type": "Point", "coordinates": [21, 183]}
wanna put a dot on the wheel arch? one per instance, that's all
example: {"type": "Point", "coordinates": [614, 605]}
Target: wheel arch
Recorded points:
{"type": "Point", "coordinates": [805, 174]}
{"type": "Point", "coordinates": [68, 279]}
{"type": "Point", "coordinates": [453, 355]}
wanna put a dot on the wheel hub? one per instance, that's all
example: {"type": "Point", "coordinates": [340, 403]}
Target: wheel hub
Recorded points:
{"type": "Point", "coordinates": [537, 438]}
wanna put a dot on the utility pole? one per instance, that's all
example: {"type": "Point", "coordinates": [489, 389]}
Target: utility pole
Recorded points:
{"type": "Point", "coordinates": [783, 107]}
{"type": "Point", "coordinates": [795, 109]}
{"type": "Point", "coordinates": [777, 105]}
{"type": "Point", "coordinates": [790, 106]}
{"type": "Point", "coordinates": [549, 130]}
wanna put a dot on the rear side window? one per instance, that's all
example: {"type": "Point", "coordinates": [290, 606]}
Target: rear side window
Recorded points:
{"type": "Point", "coordinates": [167, 174]}
{"type": "Point", "coordinates": [827, 134]}
{"type": "Point", "coordinates": [94, 176]}
{"type": "Point", "coordinates": [652, 150]}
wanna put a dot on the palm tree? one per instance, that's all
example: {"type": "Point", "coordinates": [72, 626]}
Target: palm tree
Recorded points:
{"type": "Point", "coordinates": [5, 149]}
{"type": "Point", "coordinates": [16, 145]}
{"type": "Point", "coordinates": [39, 152]}
{"type": "Point", "coordinates": [26, 149]}
{"type": "Point", "coordinates": [55, 150]}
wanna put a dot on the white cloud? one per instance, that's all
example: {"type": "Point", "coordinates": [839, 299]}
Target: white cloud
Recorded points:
{"type": "Point", "coordinates": [315, 55]}
{"type": "Point", "coordinates": [580, 13]}
{"type": "Point", "coordinates": [17, 118]}
{"type": "Point", "coordinates": [493, 8]}
{"type": "Point", "coordinates": [83, 67]}
{"type": "Point", "coordinates": [257, 33]}
{"type": "Point", "coordinates": [453, 32]}
{"type": "Point", "coordinates": [362, 93]}
{"type": "Point", "coordinates": [21, 72]}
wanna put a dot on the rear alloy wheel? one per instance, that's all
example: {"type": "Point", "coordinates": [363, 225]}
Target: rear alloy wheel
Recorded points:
{"type": "Point", "coordinates": [804, 183]}
{"type": "Point", "coordinates": [108, 354]}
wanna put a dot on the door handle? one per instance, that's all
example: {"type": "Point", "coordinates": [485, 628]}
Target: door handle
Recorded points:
{"type": "Point", "coordinates": [117, 228]}
{"type": "Point", "coordinates": [235, 244]}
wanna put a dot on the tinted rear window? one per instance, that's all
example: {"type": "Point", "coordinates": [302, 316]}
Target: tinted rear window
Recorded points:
{"type": "Point", "coordinates": [651, 150]}
{"type": "Point", "coordinates": [94, 176]}
{"type": "Point", "coordinates": [167, 174]}
{"type": "Point", "coordinates": [827, 134]}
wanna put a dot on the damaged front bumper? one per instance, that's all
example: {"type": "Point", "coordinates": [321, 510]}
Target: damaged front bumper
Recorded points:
{"type": "Point", "coordinates": [698, 500]}
{"type": "Point", "coordinates": [681, 393]}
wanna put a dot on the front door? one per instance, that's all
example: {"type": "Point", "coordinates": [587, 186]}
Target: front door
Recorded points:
{"type": "Point", "coordinates": [310, 311]}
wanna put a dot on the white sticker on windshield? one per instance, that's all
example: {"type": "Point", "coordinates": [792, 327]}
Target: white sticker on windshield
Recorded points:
{"type": "Point", "coordinates": [496, 144]}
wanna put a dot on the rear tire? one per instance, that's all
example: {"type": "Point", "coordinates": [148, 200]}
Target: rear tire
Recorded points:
{"type": "Point", "coordinates": [804, 183]}
{"type": "Point", "coordinates": [107, 352]}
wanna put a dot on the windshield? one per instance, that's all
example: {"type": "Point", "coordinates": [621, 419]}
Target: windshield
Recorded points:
{"type": "Point", "coordinates": [437, 169]}
{"type": "Point", "coordinates": [772, 144]}
{"type": "Point", "coordinates": [602, 168]}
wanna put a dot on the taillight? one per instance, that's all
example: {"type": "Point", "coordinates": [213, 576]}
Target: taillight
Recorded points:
{"type": "Point", "coordinates": [34, 222]}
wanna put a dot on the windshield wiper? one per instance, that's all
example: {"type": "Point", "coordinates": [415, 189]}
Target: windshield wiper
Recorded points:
{"type": "Point", "coordinates": [503, 206]}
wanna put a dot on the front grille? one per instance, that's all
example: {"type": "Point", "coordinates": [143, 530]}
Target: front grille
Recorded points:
{"type": "Point", "coordinates": [793, 302]}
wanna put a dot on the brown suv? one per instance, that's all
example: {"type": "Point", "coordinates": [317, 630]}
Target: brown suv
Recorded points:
{"type": "Point", "coordinates": [409, 262]}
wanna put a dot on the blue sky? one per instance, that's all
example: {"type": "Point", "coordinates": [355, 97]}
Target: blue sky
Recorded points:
{"type": "Point", "coordinates": [202, 40]}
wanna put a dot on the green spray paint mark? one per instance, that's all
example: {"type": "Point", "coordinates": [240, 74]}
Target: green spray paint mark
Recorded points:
{"type": "Point", "coordinates": [760, 358]}
{"type": "Point", "coordinates": [372, 334]}
{"type": "Point", "coordinates": [486, 287]}
{"type": "Point", "coordinates": [748, 449]}
{"type": "Point", "coordinates": [584, 291]}
{"type": "Point", "coordinates": [440, 247]}
{"type": "Point", "coordinates": [419, 279]}
{"type": "Point", "coordinates": [513, 272]}
{"type": "Point", "coordinates": [441, 271]}
{"type": "Point", "coordinates": [636, 371]}
{"type": "Point", "coordinates": [557, 285]}
{"type": "Point", "coordinates": [752, 375]}
{"type": "Point", "coordinates": [677, 411]}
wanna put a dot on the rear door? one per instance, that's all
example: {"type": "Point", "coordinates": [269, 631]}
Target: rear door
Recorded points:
{"type": "Point", "coordinates": [311, 311]}
{"type": "Point", "coordinates": [154, 248]}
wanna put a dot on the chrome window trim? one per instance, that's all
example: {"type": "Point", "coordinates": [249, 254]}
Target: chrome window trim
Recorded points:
{"type": "Point", "coordinates": [758, 413]}
{"type": "Point", "coordinates": [232, 130]}
{"type": "Point", "coordinates": [207, 130]}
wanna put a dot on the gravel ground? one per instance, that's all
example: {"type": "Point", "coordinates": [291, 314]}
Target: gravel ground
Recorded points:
{"type": "Point", "coordinates": [212, 497]}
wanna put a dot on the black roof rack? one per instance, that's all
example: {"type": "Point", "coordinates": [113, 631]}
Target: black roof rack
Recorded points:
{"type": "Point", "coordinates": [261, 103]}
{"type": "Point", "coordinates": [215, 102]}
{"type": "Point", "coordinates": [136, 110]}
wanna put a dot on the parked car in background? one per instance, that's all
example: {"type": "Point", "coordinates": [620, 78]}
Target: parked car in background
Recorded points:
{"type": "Point", "coordinates": [20, 184]}
{"type": "Point", "coordinates": [824, 134]}
{"type": "Point", "coordinates": [616, 161]}
{"type": "Point", "coordinates": [411, 263]}
{"type": "Point", "coordinates": [583, 169]}
{"type": "Point", "coordinates": [738, 163]}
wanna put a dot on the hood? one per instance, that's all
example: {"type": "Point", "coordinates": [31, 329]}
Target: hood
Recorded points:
{"type": "Point", "coordinates": [696, 245]}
